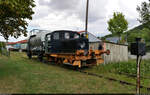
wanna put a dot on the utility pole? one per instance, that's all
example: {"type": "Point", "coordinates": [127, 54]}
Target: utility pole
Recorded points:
{"type": "Point", "coordinates": [86, 22]}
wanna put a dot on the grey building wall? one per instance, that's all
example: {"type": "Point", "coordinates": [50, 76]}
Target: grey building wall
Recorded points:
{"type": "Point", "coordinates": [118, 52]}
{"type": "Point", "coordinates": [94, 45]}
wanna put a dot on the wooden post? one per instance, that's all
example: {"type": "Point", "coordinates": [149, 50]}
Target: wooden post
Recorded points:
{"type": "Point", "coordinates": [138, 76]}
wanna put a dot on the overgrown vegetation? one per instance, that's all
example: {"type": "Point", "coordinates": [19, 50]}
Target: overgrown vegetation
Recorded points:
{"type": "Point", "coordinates": [18, 74]}
{"type": "Point", "coordinates": [126, 67]}
{"type": "Point", "coordinates": [121, 71]}
{"type": "Point", "coordinates": [2, 44]}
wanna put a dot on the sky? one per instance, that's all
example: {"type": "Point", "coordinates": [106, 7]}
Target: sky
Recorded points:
{"type": "Point", "coordinates": [70, 15]}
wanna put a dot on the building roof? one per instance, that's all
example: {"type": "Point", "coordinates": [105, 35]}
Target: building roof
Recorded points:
{"type": "Point", "coordinates": [92, 37]}
{"type": "Point", "coordinates": [113, 39]}
{"type": "Point", "coordinates": [12, 43]}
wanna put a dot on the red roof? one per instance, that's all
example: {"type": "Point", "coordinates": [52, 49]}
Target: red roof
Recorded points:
{"type": "Point", "coordinates": [22, 41]}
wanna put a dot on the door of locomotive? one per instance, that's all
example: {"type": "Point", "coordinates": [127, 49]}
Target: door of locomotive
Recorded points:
{"type": "Point", "coordinates": [52, 42]}
{"type": "Point", "coordinates": [48, 46]}
{"type": "Point", "coordinates": [56, 42]}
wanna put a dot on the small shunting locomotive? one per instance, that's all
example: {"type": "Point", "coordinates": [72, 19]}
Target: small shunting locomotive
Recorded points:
{"type": "Point", "coordinates": [64, 47]}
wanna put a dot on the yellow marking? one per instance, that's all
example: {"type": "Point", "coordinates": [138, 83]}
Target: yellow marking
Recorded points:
{"type": "Point", "coordinates": [65, 61]}
{"type": "Point", "coordinates": [77, 63]}
{"type": "Point", "coordinates": [99, 61]}
{"type": "Point", "coordinates": [87, 36]}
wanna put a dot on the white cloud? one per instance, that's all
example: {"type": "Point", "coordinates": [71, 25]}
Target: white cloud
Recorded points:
{"type": "Point", "coordinates": [70, 14]}
{"type": "Point", "coordinates": [58, 22]}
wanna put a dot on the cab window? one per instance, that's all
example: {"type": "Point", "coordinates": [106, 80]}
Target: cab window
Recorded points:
{"type": "Point", "coordinates": [76, 36]}
{"type": "Point", "coordinates": [56, 36]}
{"type": "Point", "coordinates": [67, 35]}
{"type": "Point", "coordinates": [48, 37]}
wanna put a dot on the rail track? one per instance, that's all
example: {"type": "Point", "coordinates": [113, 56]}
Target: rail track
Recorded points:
{"type": "Point", "coordinates": [132, 75]}
{"type": "Point", "coordinates": [100, 76]}
{"type": "Point", "coordinates": [113, 79]}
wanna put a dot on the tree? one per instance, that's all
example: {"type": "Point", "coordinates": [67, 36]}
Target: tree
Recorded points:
{"type": "Point", "coordinates": [144, 12]}
{"type": "Point", "coordinates": [118, 24]}
{"type": "Point", "coordinates": [13, 16]}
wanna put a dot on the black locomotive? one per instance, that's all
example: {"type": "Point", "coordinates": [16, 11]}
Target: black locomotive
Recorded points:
{"type": "Point", "coordinates": [64, 41]}
{"type": "Point", "coordinates": [63, 46]}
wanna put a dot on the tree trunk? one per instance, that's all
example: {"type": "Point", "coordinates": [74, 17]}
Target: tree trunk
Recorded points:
{"type": "Point", "coordinates": [8, 52]}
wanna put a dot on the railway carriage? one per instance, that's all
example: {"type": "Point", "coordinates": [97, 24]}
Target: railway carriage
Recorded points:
{"type": "Point", "coordinates": [64, 46]}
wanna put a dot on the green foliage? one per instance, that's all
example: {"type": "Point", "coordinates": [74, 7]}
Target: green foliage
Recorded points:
{"type": "Point", "coordinates": [124, 67]}
{"type": "Point", "coordinates": [13, 16]}
{"type": "Point", "coordinates": [2, 44]}
{"type": "Point", "coordinates": [139, 31]}
{"type": "Point", "coordinates": [142, 33]}
{"type": "Point", "coordinates": [118, 24]}
{"type": "Point", "coordinates": [144, 12]}
{"type": "Point", "coordinates": [130, 67]}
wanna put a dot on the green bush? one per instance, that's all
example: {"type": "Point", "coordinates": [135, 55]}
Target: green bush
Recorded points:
{"type": "Point", "coordinates": [2, 44]}
{"type": "Point", "coordinates": [125, 67]}
{"type": "Point", "coordinates": [130, 67]}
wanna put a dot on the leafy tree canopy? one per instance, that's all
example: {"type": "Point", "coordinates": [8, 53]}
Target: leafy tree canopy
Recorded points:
{"type": "Point", "coordinates": [13, 16]}
{"type": "Point", "coordinates": [144, 34]}
{"type": "Point", "coordinates": [144, 12]}
{"type": "Point", "coordinates": [118, 24]}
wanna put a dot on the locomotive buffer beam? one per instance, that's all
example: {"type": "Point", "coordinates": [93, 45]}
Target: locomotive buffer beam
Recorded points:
{"type": "Point", "coordinates": [92, 57]}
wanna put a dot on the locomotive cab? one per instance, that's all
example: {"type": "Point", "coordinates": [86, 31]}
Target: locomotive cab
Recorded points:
{"type": "Point", "coordinates": [64, 41]}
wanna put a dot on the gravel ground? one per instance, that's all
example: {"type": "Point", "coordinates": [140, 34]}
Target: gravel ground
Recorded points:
{"type": "Point", "coordinates": [147, 56]}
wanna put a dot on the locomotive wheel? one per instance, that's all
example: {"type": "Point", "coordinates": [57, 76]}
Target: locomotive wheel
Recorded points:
{"type": "Point", "coordinates": [59, 61]}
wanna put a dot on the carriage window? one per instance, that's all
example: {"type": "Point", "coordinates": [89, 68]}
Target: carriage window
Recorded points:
{"type": "Point", "coordinates": [67, 36]}
{"type": "Point", "coordinates": [76, 36]}
{"type": "Point", "coordinates": [49, 37]}
{"type": "Point", "coordinates": [56, 36]}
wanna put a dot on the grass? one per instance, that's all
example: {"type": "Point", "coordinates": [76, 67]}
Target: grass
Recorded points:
{"type": "Point", "coordinates": [113, 70]}
{"type": "Point", "coordinates": [20, 75]}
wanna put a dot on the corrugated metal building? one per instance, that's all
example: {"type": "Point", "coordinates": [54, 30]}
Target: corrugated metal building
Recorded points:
{"type": "Point", "coordinates": [94, 42]}
{"type": "Point", "coordinates": [20, 45]}
{"type": "Point", "coordinates": [118, 52]}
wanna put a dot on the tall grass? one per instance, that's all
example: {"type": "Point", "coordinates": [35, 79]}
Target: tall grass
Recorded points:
{"type": "Point", "coordinates": [125, 67]}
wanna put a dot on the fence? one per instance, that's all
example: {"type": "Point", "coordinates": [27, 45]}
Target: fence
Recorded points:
{"type": "Point", "coordinates": [118, 52]}
{"type": "Point", "coordinates": [4, 51]}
